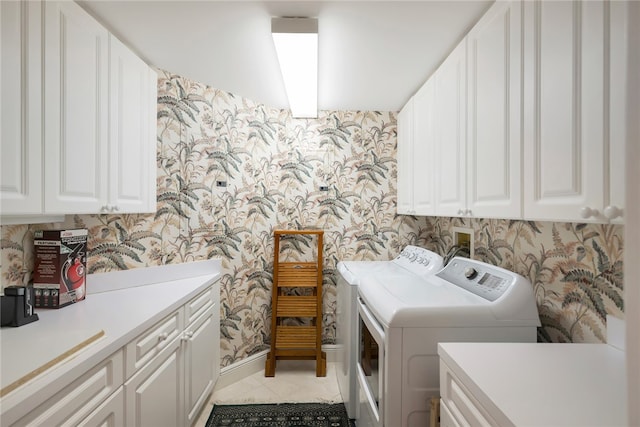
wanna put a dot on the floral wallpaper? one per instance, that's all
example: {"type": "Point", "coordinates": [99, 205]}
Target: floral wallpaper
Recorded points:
{"type": "Point", "coordinates": [230, 171]}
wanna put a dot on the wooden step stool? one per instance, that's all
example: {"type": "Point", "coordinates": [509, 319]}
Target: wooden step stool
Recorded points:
{"type": "Point", "coordinates": [296, 342]}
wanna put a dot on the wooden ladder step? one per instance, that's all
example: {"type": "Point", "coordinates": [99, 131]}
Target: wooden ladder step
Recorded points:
{"type": "Point", "coordinates": [297, 306]}
{"type": "Point", "coordinates": [296, 337]}
{"type": "Point", "coordinates": [297, 274]}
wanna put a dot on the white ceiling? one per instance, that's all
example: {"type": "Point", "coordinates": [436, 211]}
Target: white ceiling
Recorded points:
{"type": "Point", "coordinates": [373, 54]}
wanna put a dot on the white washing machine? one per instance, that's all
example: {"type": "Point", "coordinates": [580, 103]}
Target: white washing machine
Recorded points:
{"type": "Point", "coordinates": [401, 322]}
{"type": "Point", "coordinates": [413, 261]}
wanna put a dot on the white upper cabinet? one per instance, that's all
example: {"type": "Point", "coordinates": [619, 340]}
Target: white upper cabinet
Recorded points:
{"type": "Point", "coordinates": [132, 136]}
{"type": "Point", "coordinates": [76, 110]}
{"type": "Point", "coordinates": [405, 162]}
{"type": "Point", "coordinates": [20, 108]}
{"type": "Point", "coordinates": [78, 117]}
{"type": "Point", "coordinates": [574, 105]}
{"type": "Point", "coordinates": [450, 134]}
{"type": "Point", "coordinates": [494, 106]}
{"type": "Point", "coordinates": [415, 153]}
{"type": "Point", "coordinates": [100, 116]}
{"type": "Point", "coordinates": [423, 149]}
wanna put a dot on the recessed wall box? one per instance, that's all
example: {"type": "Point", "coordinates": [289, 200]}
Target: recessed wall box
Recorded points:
{"type": "Point", "coordinates": [463, 237]}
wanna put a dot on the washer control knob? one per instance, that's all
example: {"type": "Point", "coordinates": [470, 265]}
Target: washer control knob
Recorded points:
{"type": "Point", "coordinates": [470, 273]}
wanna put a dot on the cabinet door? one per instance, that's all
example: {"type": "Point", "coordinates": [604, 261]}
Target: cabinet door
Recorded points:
{"type": "Point", "coordinates": [76, 110]}
{"type": "Point", "coordinates": [423, 149]}
{"type": "Point", "coordinates": [450, 131]}
{"type": "Point", "coordinates": [405, 162]}
{"type": "Point", "coordinates": [494, 108]}
{"type": "Point", "coordinates": [564, 109]}
{"type": "Point", "coordinates": [132, 177]}
{"type": "Point", "coordinates": [154, 395]}
{"type": "Point", "coordinates": [200, 348]}
{"type": "Point", "coordinates": [21, 108]}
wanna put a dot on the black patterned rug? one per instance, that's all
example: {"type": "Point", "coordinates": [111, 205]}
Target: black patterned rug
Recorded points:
{"type": "Point", "coordinates": [280, 415]}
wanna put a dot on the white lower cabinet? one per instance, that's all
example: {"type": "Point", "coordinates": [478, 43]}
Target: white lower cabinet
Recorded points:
{"type": "Point", "coordinates": [162, 377]}
{"type": "Point", "coordinates": [200, 345]}
{"type": "Point", "coordinates": [81, 401]}
{"type": "Point", "coordinates": [458, 406]}
{"type": "Point", "coordinates": [174, 368]}
{"type": "Point", "coordinates": [154, 396]}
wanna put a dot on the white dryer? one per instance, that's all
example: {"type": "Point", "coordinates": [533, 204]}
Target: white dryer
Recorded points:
{"type": "Point", "coordinates": [413, 261]}
{"type": "Point", "coordinates": [401, 322]}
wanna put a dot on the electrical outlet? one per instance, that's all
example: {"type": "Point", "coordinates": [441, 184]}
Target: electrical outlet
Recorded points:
{"type": "Point", "coordinates": [221, 183]}
{"type": "Point", "coordinates": [324, 188]}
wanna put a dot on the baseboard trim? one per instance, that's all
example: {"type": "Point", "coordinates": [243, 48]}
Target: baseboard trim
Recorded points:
{"type": "Point", "coordinates": [255, 363]}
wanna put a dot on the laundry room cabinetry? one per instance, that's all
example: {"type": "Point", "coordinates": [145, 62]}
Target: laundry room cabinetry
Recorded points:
{"type": "Point", "coordinates": [494, 105]}
{"type": "Point", "coordinates": [478, 129]}
{"type": "Point", "coordinates": [78, 117]}
{"type": "Point", "coordinates": [21, 120]}
{"type": "Point", "coordinates": [415, 153]}
{"type": "Point", "coordinates": [99, 107]}
{"type": "Point", "coordinates": [450, 82]}
{"type": "Point", "coordinates": [574, 117]}
{"type": "Point", "coordinates": [469, 124]}
{"type": "Point", "coordinates": [172, 368]}
{"type": "Point", "coordinates": [89, 400]}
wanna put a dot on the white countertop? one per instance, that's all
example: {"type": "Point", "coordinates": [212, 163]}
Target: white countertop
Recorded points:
{"type": "Point", "coordinates": [543, 384]}
{"type": "Point", "coordinates": [141, 298]}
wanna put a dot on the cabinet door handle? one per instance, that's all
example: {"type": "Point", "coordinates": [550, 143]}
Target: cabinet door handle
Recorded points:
{"type": "Point", "coordinates": [187, 336]}
{"type": "Point", "coordinates": [587, 212]}
{"type": "Point", "coordinates": [162, 339]}
{"type": "Point", "coordinates": [612, 212]}
{"type": "Point", "coordinates": [115, 208]}
{"type": "Point", "coordinates": [104, 208]}
{"type": "Point", "coordinates": [468, 212]}
{"type": "Point", "coordinates": [460, 212]}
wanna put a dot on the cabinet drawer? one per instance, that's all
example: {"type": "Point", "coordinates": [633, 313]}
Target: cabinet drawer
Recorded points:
{"type": "Point", "coordinates": [198, 305]}
{"type": "Point", "coordinates": [74, 403]}
{"type": "Point", "coordinates": [109, 414]}
{"type": "Point", "coordinates": [142, 349]}
{"type": "Point", "coordinates": [463, 408]}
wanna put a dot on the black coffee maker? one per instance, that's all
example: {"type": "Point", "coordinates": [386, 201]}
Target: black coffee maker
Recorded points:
{"type": "Point", "coordinates": [17, 306]}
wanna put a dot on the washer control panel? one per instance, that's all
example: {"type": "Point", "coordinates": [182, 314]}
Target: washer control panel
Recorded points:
{"type": "Point", "coordinates": [419, 260]}
{"type": "Point", "coordinates": [482, 279]}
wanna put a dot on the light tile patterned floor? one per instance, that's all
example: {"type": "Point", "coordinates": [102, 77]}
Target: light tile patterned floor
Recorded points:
{"type": "Point", "coordinates": [295, 381]}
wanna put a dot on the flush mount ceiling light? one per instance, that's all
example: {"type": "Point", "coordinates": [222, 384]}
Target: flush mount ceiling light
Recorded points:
{"type": "Point", "coordinates": [296, 41]}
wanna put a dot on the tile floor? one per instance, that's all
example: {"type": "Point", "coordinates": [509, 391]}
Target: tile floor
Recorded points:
{"type": "Point", "coordinates": [295, 381]}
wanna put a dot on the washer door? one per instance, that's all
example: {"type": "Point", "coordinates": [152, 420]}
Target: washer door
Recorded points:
{"type": "Point", "coordinates": [370, 368]}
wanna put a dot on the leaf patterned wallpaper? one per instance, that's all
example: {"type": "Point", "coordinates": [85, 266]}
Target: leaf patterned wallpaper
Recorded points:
{"type": "Point", "coordinates": [273, 167]}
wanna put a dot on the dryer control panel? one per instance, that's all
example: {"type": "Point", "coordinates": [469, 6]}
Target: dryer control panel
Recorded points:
{"type": "Point", "coordinates": [489, 282]}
